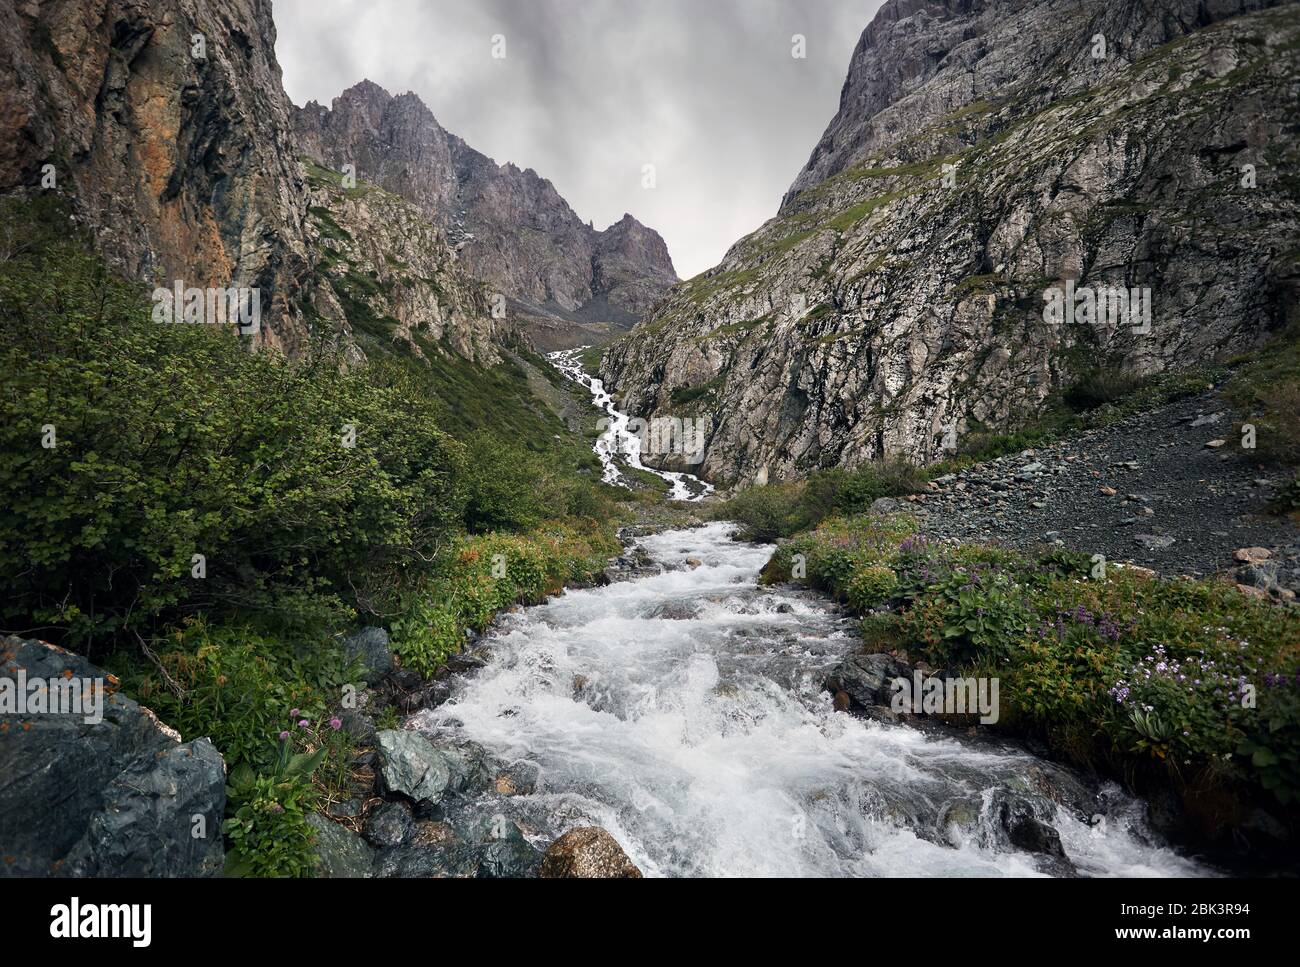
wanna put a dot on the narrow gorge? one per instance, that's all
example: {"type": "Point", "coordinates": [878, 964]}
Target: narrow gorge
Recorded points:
{"type": "Point", "coordinates": [947, 527]}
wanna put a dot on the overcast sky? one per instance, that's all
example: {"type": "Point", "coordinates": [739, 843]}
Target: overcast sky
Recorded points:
{"type": "Point", "coordinates": [590, 91]}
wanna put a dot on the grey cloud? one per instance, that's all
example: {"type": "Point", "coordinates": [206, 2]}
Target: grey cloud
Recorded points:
{"type": "Point", "coordinates": [592, 90]}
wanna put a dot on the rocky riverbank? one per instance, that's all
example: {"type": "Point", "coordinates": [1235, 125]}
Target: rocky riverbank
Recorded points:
{"type": "Point", "coordinates": [404, 817]}
{"type": "Point", "coordinates": [102, 789]}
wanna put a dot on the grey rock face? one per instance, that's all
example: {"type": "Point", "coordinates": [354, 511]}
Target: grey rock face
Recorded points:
{"type": "Point", "coordinates": [510, 227]}
{"type": "Point", "coordinates": [187, 168]}
{"type": "Point", "coordinates": [893, 304]}
{"type": "Point", "coordinates": [410, 766]}
{"type": "Point", "coordinates": [182, 166]}
{"type": "Point", "coordinates": [341, 853]}
{"type": "Point", "coordinates": [119, 797]}
{"type": "Point", "coordinates": [370, 645]}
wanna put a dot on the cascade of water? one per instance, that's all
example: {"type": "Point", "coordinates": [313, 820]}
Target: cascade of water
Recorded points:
{"type": "Point", "coordinates": [618, 440]}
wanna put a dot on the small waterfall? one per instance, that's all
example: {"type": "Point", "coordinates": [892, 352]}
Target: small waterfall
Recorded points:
{"type": "Point", "coordinates": [618, 441]}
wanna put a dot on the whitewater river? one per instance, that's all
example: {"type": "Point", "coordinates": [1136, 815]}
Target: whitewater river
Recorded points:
{"type": "Point", "coordinates": [683, 711]}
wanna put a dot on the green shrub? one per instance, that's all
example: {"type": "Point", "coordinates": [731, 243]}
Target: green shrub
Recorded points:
{"type": "Point", "coordinates": [765, 513]}
{"type": "Point", "coordinates": [779, 510]}
{"type": "Point", "coordinates": [482, 575]}
{"type": "Point", "coordinates": [1287, 500]}
{"type": "Point", "coordinates": [1266, 390]}
{"type": "Point", "coordinates": [1101, 386]}
{"type": "Point", "coordinates": [240, 688]}
{"type": "Point", "coordinates": [172, 441]}
{"type": "Point", "coordinates": [267, 831]}
{"type": "Point", "coordinates": [871, 587]}
{"type": "Point", "coordinates": [854, 491]}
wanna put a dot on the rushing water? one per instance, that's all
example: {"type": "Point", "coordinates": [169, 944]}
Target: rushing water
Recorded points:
{"type": "Point", "coordinates": [684, 713]}
{"type": "Point", "coordinates": [618, 441]}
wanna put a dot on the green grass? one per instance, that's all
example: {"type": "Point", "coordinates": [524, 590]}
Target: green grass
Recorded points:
{"type": "Point", "coordinates": [1266, 390]}
{"type": "Point", "coordinates": [685, 397]}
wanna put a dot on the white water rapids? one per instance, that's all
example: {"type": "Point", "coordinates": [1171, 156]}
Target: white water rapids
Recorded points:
{"type": "Point", "coordinates": [618, 440]}
{"type": "Point", "coordinates": [684, 713]}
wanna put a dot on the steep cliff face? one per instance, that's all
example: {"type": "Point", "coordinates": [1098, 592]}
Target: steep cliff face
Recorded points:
{"type": "Point", "coordinates": [167, 126]}
{"type": "Point", "coordinates": [984, 155]}
{"type": "Point", "coordinates": [385, 278]}
{"type": "Point", "coordinates": [167, 123]}
{"type": "Point", "coordinates": [510, 227]}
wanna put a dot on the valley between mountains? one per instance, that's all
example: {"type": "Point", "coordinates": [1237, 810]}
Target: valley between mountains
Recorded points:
{"type": "Point", "coordinates": [495, 549]}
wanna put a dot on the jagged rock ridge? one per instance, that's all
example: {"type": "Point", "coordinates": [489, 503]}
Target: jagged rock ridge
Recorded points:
{"type": "Point", "coordinates": [887, 307]}
{"type": "Point", "coordinates": [511, 228]}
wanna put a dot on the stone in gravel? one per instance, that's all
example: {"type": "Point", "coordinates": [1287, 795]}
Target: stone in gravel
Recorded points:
{"type": "Point", "coordinates": [1109, 491]}
{"type": "Point", "coordinates": [1215, 444]}
{"type": "Point", "coordinates": [1153, 542]}
{"type": "Point", "coordinates": [883, 505]}
{"type": "Point", "coordinates": [1252, 555]}
{"type": "Point", "coordinates": [1206, 420]}
{"type": "Point", "coordinates": [1262, 575]}
{"type": "Point", "coordinates": [1253, 592]}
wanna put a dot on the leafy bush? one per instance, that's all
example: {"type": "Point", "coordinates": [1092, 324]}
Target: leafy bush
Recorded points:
{"type": "Point", "coordinates": [853, 491]}
{"type": "Point", "coordinates": [766, 513]}
{"type": "Point", "coordinates": [1101, 386]}
{"type": "Point", "coordinates": [162, 442]}
{"type": "Point", "coordinates": [1277, 429]}
{"type": "Point", "coordinates": [1266, 390]}
{"type": "Point", "coordinates": [512, 489]}
{"type": "Point", "coordinates": [168, 441]}
{"type": "Point", "coordinates": [268, 830]}
{"type": "Point", "coordinates": [779, 510]}
{"type": "Point", "coordinates": [239, 688]}
{"type": "Point", "coordinates": [1287, 500]}
{"type": "Point", "coordinates": [871, 586]}
{"type": "Point", "coordinates": [482, 575]}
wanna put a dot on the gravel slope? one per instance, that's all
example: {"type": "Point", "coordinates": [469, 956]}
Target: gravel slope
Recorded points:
{"type": "Point", "coordinates": [1152, 489]}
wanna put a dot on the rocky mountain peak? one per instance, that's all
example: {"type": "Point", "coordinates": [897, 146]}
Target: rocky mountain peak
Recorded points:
{"type": "Point", "coordinates": [561, 275]}
{"type": "Point", "coordinates": [919, 60]}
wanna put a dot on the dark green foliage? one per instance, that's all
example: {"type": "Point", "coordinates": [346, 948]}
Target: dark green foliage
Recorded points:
{"type": "Point", "coordinates": [1267, 392]}
{"type": "Point", "coordinates": [268, 831]}
{"type": "Point", "coordinates": [1101, 386]}
{"type": "Point", "coordinates": [481, 575]}
{"type": "Point", "coordinates": [779, 510]}
{"type": "Point", "coordinates": [172, 441]}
